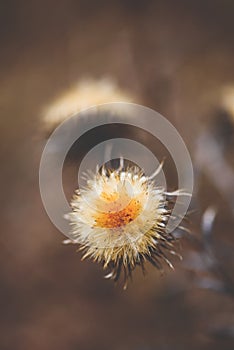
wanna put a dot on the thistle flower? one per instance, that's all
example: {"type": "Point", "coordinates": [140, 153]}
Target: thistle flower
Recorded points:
{"type": "Point", "coordinates": [84, 94]}
{"type": "Point", "coordinates": [119, 220]}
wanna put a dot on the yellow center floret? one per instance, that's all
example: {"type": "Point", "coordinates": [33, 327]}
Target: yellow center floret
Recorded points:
{"type": "Point", "coordinates": [119, 218]}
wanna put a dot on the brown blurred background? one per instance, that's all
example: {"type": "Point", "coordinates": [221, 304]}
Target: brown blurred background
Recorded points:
{"type": "Point", "coordinates": [175, 57]}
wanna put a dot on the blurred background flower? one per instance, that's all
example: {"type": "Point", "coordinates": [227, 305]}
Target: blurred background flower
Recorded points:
{"type": "Point", "coordinates": [86, 93]}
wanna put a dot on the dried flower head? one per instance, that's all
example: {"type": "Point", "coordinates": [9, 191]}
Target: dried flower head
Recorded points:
{"type": "Point", "coordinates": [84, 94]}
{"type": "Point", "coordinates": [120, 220]}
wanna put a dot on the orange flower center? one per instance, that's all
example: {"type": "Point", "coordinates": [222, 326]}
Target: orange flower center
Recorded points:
{"type": "Point", "coordinates": [123, 217]}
